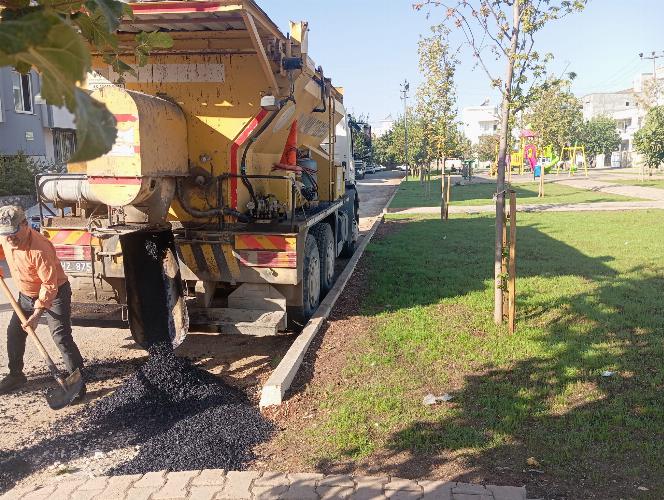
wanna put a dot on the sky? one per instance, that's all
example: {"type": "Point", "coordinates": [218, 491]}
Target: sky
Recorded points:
{"type": "Point", "coordinates": [369, 47]}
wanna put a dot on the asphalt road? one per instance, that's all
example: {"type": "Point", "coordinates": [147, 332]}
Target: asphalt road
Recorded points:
{"type": "Point", "coordinates": [111, 354]}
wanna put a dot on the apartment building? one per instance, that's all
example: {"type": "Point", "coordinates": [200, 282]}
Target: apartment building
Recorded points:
{"type": "Point", "coordinates": [28, 124]}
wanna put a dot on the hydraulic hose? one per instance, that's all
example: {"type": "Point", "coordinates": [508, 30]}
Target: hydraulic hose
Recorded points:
{"type": "Point", "coordinates": [254, 138]}
{"type": "Point", "coordinates": [205, 214]}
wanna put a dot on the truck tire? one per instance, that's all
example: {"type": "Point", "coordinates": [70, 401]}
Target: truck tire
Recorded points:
{"type": "Point", "coordinates": [310, 284]}
{"type": "Point", "coordinates": [328, 255]}
{"type": "Point", "coordinates": [349, 246]}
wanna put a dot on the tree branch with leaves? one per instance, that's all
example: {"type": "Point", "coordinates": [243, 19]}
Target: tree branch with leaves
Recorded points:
{"type": "Point", "coordinates": [55, 38]}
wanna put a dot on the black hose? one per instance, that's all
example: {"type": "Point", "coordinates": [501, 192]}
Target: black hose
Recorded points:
{"type": "Point", "coordinates": [205, 214]}
{"type": "Point", "coordinates": [254, 137]}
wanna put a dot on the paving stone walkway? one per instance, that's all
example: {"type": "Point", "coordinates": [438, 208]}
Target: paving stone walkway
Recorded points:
{"type": "Point", "coordinates": [218, 484]}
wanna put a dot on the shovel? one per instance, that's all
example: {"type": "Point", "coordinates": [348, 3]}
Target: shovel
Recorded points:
{"type": "Point", "coordinates": [62, 396]}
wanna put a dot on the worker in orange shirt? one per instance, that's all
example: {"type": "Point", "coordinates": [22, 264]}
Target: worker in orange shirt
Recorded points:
{"type": "Point", "coordinates": [43, 290]}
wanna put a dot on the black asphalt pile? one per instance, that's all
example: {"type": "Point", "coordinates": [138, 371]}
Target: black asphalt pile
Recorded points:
{"type": "Point", "coordinates": [180, 417]}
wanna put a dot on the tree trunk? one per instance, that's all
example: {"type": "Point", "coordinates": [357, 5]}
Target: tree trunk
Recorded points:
{"type": "Point", "coordinates": [502, 152]}
{"type": "Point", "coordinates": [442, 188]}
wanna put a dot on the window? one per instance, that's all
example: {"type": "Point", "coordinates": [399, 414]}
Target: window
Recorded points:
{"type": "Point", "coordinates": [626, 103]}
{"type": "Point", "coordinates": [22, 90]}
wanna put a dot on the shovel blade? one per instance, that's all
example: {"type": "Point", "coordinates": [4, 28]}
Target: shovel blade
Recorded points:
{"type": "Point", "coordinates": [61, 396]}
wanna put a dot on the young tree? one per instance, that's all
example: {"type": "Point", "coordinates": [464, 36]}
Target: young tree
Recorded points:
{"type": "Point", "coordinates": [555, 115]}
{"type": "Point", "coordinates": [436, 98]}
{"type": "Point", "coordinates": [486, 148]}
{"type": "Point", "coordinates": [396, 137]}
{"type": "Point", "coordinates": [507, 30]}
{"type": "Point", "coordinates": [362, 141]}
{"type": "Point", "coordinates": [649, 141]}
{"type": "Point", "coordinates": [54, 38]}
{"type": "Point", "coordinates": [382, 151]}
{"type": "Point", "coordinates": [599, 135]}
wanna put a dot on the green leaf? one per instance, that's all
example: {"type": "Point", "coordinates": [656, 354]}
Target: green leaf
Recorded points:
{"type": "Point", "coordinates": [59, 55]}
{"type": "Point", "coordinates": [63, 60]}
{"type": "Point", "coordinates": [118, 65]}
{"type": "Point", "coordinates": [94, 29]}
{"type": "Point", "coordinates": [148, 41]}
{"type": "Point", "coordinates": [95, 128]}
{"type": "Point", "coordinates": [111, 10]}
{"type": "Point", "coordinates": [127, 11]}
{"type": "Point", "coordinates": [16, 4]}
{"type": "Point", "coordinates": [154, 40]}
{"type": "Point", "coordinates": [17, 34]}
{"type": "Point", "coordinates": [63, 6]}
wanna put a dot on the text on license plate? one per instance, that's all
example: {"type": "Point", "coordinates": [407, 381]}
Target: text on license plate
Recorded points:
{"type": "Point", "coordinates": [77, 266]}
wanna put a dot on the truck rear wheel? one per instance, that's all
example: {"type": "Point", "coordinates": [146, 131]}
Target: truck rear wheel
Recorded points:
{"type": "Point", "coordinates": [310, 284]}
{"type": "Point", "coordinates": [349, 246]}
{"type": "Point", "coordinates": [328, 255]}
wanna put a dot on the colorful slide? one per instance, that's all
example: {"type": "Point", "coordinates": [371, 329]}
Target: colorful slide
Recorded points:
{"type": "Point", "coordinates": [551, 164]}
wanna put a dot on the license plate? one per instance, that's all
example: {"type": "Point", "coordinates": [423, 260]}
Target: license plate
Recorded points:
{"type": "Point", "coordinates": [77, 266]}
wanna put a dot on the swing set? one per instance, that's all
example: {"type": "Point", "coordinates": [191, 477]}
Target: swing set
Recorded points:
{"type": "Point", "coordinates": [576, 157]}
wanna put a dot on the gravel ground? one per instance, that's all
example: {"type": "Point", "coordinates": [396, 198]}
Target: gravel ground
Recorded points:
{"type": "Point", "coordinates": [37, 442]}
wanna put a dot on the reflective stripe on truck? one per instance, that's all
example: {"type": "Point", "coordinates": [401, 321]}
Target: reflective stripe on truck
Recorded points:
{"type": "Point", "coordinates": [70, 237]}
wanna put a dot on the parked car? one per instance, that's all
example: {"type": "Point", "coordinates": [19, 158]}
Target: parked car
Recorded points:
{"type": "Point", "coordinates": [401, 168]}
{"type": "Point", "coordinates": [371, 169]}
{"type": "Point", "coordinates": [360, 171]}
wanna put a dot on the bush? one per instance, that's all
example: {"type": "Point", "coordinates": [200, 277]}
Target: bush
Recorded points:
{"type": "Point", "coordinates": [17, 175]}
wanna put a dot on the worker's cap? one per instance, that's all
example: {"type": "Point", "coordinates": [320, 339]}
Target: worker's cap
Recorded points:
{"type": "Point", "coordinates": [11, 217]}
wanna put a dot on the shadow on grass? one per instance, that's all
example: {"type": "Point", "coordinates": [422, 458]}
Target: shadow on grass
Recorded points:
{"type": "Point", "coordinates": [551, 421]}
{"type": "Point", "coordinates": [441, 260]}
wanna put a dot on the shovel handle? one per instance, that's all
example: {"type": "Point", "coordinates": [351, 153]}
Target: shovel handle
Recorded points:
{"type": "Point", "coordinates": [31, 332]}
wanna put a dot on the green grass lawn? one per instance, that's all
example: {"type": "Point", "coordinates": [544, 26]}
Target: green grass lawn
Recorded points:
{"type": "Point", "coordinates": [413, 194]}
{"type": "Point", "coordinates": [590, 300]}
{"type": "Point", "coordinates": [656, 183]}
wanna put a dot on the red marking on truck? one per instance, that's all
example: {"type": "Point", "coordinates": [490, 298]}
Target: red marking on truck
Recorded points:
{"type": "Point", "coordinates": [265, 242]}
{"type": "Point", "coordinates": [126, 118]}
{"type": "Point", "coordinates": [73, 252]}
{"type": "Point", "coordinates": [115, 180]}
{"type": "Point", "coordinates": [264, 258]}
{"type": "Point", "coordinates": [69, 237]}
{"type": "Point", "coordinates": [244, 135]}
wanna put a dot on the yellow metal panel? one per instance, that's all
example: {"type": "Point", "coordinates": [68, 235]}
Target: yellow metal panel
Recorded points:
{"type": "Point", "coordinates": [231, 261]}
{"type": "Point", "coordinates": [151, 137]}
{"type": "Point", "coordinates": [188, 257]}
{"type": "Point", "coordinates": [211, 261]}
{"type": "Point", "coordinates": [73, 237]}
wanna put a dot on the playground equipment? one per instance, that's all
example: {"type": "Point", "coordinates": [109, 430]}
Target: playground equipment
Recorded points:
{"type": "Point", "coordinates": [576, 156]}
{"type": "Point", "coordinates": [524, 158]}
{"type": "Point", "coordinates": [549, 160]}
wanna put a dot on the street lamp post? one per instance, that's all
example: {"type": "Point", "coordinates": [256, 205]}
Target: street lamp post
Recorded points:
{"type": "Point", "coordinates": [405, 86]}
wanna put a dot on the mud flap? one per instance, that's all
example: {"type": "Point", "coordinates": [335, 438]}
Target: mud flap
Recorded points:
{"type": "Point", "coordinates": [155, 292]}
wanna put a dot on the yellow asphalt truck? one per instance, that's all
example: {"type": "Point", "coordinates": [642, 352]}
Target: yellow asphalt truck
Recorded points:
{"type": "Point", "coordinates": [236, 143]}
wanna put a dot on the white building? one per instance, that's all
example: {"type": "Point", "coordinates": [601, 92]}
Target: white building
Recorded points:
{"type": "Point", "coordinates": [382, 127]}
{"type": "Point", "coordinates": [624, 106]}
{"type": "Point", "coordinates": [480, 120]}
